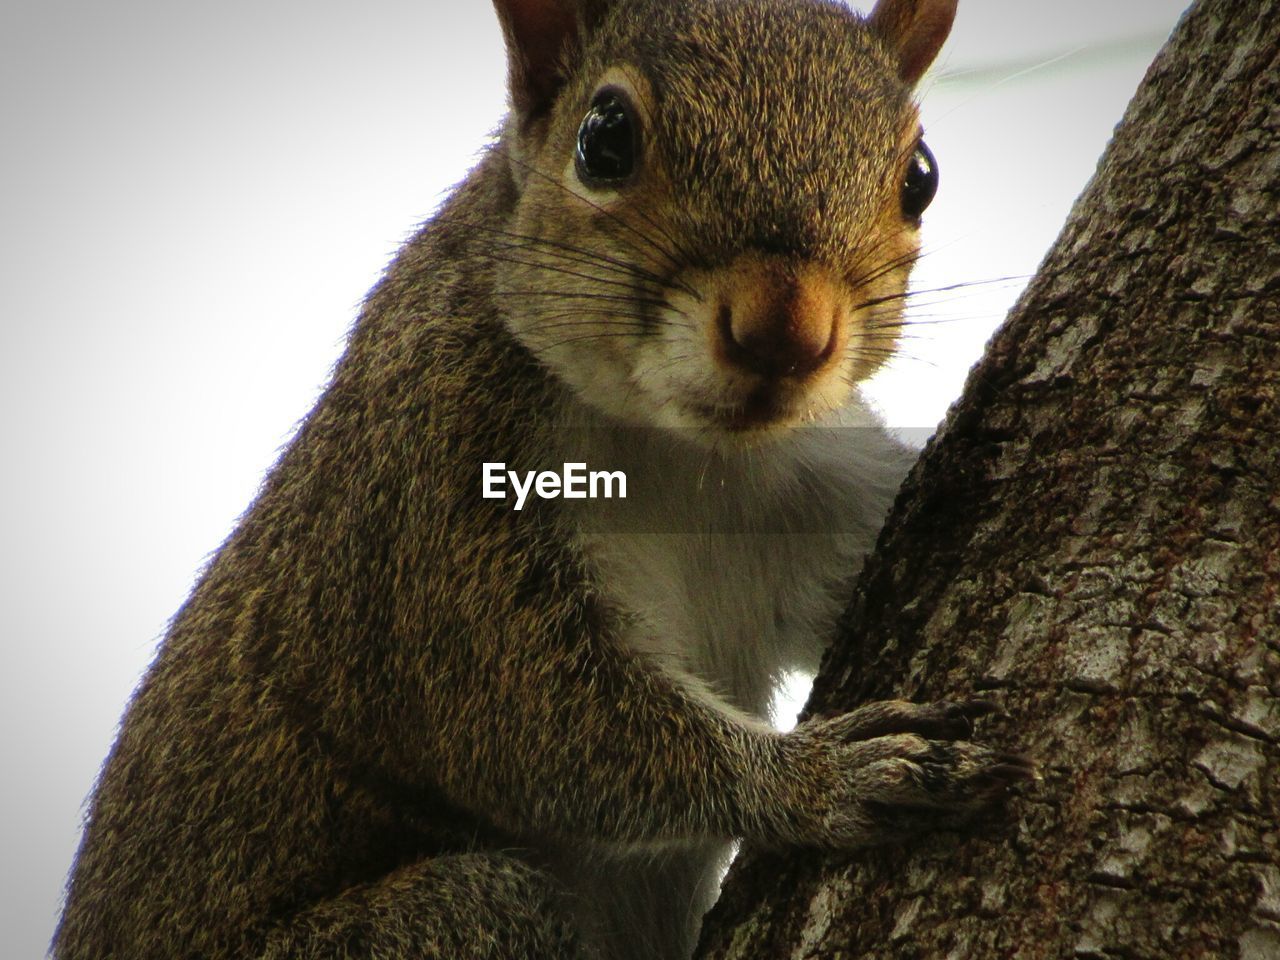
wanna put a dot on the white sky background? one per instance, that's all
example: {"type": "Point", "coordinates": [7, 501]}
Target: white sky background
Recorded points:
{"type": "Point", "coordinates": [193, 201]}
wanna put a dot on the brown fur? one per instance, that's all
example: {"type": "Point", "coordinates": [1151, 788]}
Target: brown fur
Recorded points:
{"type": "Point", "coordinates": [385, 694]}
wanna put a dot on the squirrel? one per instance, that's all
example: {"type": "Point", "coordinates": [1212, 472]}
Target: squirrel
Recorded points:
{"type": "Point", "coordinates": [398, 719]}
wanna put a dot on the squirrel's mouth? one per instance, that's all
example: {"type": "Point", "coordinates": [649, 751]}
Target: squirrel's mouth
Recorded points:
{"type": "Point", "coordinates": [768, 406]}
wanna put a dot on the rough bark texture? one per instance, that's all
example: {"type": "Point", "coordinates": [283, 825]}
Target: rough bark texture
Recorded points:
{"type": "Point", "coordinates": [1094, 537]}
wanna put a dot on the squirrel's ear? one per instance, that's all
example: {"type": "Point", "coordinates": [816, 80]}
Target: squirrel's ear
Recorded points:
{"type": "Point", "coordinates": [540, 34]}
{"type": "Point", "coordinates": [915, 30]}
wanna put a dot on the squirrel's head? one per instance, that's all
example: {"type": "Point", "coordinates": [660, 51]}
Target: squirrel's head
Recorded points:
{"type": "Point", "coordinates": [718, 199]}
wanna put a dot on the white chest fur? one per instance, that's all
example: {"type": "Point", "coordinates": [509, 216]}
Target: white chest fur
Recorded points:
{"type": "Point", "coordinates": [731, 566]}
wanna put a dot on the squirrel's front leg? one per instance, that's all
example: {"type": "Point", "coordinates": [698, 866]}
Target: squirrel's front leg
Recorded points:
{"type": "Point", "coordinates": [601, 743]}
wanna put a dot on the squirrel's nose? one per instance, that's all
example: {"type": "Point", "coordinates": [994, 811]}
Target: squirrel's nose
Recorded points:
{"type": "Point", "coordinates": [791, 336]}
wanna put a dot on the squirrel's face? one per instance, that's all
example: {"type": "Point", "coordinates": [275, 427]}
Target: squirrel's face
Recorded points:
{"type": "Point", "coordinates": [718, 213]}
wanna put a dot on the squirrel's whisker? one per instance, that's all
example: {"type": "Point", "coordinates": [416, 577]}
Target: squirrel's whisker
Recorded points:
{"type": "Point", "coordinates": [881, 270]}
{"type": "Point", "coordinates": [602, 335]}
{"type": "Point", "coordinates": [583, 255]}
{"type": "Point", "coordinates": [555, 256]}
{"type": "Point", "coordinates": [606, 281]}
{"type": "Point", "coordinates": [592, 316]}
{"type": "Point", "coordinates": [554, 181]}
{"type": "Point", "coordinates": [948, 288]}
{"type": "Point", "coordinates": [565, 295]}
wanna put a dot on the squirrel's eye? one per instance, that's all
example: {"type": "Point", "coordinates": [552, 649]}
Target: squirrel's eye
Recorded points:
{"type": "Point", "coordinates": [606, 141]}
{"type": "Point", "coordinates": [921, 182]}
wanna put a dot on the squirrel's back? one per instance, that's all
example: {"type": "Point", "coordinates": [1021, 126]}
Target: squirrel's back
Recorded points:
{"type": "Point", "coordinates": [266, 742]}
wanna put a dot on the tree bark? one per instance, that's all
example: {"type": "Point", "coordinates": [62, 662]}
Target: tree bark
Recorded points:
{"type": "Point", "coordinates": [1093, 539]}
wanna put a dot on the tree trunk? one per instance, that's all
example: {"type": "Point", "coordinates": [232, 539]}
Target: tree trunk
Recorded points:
{"type": "Point", "coordinates": [1094, 540]}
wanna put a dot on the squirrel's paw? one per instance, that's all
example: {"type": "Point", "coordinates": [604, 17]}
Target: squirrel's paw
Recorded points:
{"type": "Point", "coordinates": [940, 720]}
{"type": "Point", "coordinates": [857, 786]}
